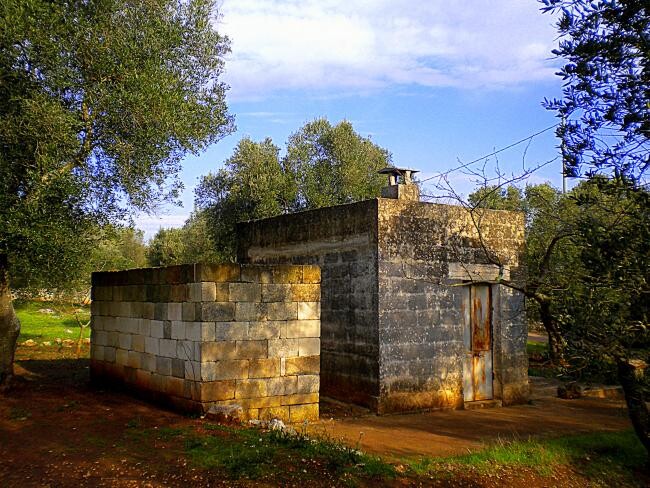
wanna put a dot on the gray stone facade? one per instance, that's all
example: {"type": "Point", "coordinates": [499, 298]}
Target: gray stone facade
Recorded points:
{"type": "Point", "coordinates": [397, 281]}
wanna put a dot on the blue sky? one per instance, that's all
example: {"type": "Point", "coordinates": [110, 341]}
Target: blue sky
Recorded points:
{"type": "Point", "coordinates": [434, 82]}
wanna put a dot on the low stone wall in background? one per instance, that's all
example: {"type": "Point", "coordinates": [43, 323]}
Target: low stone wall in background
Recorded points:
{"type": "Point", "coordinates": [241, 338]}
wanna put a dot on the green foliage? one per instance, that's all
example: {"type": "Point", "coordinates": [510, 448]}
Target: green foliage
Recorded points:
{"type": "Point", "coordinates": [191, 243]}
{"type": "Point", "coordinates": [604, 44]}
{"type": "Point", "coordinates": [41, 327]}
{"type": "Point", "coordinates": [99, 103]}
{"type": "Point", "coordinates": [323, 165]}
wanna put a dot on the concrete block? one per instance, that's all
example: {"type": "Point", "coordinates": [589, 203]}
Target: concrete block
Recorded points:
{"type": "Point", "coordinates": [308, 310]}
{"type": "Point", "coordinates": [255, 274]}
{"type": "Point", "coordinates": [251, 349]}
{"type": "Point", "coordinates": [305, 293]}
{"type": "Point", "coordinates": [178, 368]}
{"type": "Point", "coordinates": [148, 310]}
{"type": "Point", "coordinates": [231, 331]}
{"type": "Point", "coordinates": [173, 386]}
{"type": "Point", "coordinates": [309, 365]}
{"type": "Point", "coordinates": [133, 360]}
{"type": "Point", "coordinates": [194, 291]}
{"type": "Point", "coordinates": [100, 337]}
{"type": "Point", "coordinates": [308, 383]}
{"type": "Point", "coordinates": [264, 368]}
{"type": "Point", "coordinates": [163, 366]}
{"type": "Point", "coordinates": [121, 357]}
{"type": "Point", "coordinates": [208, 331]}
{"type": "Point", "coordinates": [245, 292]}
{"type": "Point", "coordinates": [302, 413]}
{"type": "Point", "coordinates": [302, 328]}
{"type": "Point", "coordinates": [217, 390]}
{"type": "Point", "coordinates": [193, 331]}
{"type": "Point", "coordinates": [218, 312]}
{"type": "Point", "coordinates": [156, 327]}
{"type": "Point", "coordinates": [276, 293]}
{"type": "Point", "coordinates": [168, 348]}
{"type": "Point", "coordinates": [208, 292]}
{"type": "Point", "coordinates": [185, 350]}
{"type": "Point", "coordinates": [178, 329]}
{"type": "Point", "coordinates": [124, 341]}
{"type": "Point", "coordinates": [179, 293]}
{"type": "Point", "coordinates": [145, 328]}
{"type": "Point", "coordinates": [192, 370]}
{"type": "Point", "coordinates": [265, 329]}
{"type": "Point", "coordinates": [216, 351]}
{"type": "Point", "coordinates": [300, 398]}
{"type": "Point", "coordinates": [110, 354]}
{"type": "Point", "coordinates": [174, 311]}
{"type": "Point", "coordinates": [112, 339]}
{"type": "Point", "coordinates": [222, 292]}
{"type": "Point", "coordinates": [96, 352]}
{"type": "Point", "coordinates": [311, 274]}
{"type": "Point", "coordinates": [160, 311]}
{"type": "Point", "coordinates": [188, 313]}
{"type": "Point", "coordinates": [167, 329]}
{"type": "Point", "coordinates": [308, 346]}
{"type": "Point", "coordinates": [148, 362]}
{"type": "Point", "coordinates": [281, 311]}
{"type": "Point", "coordinates": [279, 348]}
{"type": "Point", "coordinates": [137, 343]}
{"type": "Point", "coordinates": [224, 370]}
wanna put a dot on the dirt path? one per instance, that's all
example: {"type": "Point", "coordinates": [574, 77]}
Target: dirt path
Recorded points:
{"type": "Point", "coordinates": [453, 432]}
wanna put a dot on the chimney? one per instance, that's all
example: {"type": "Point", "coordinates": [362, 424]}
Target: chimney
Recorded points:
{"type": "Point", "coordinates": [400, 184]}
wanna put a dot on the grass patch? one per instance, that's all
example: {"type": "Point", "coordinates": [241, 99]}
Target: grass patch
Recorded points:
{"type": "Point", "coordinates": [539, 348]}
{"type": "Point", "coordinates": [252, 453]}
{"type": "Point", "coordinates": [601, 456]}
{"type": "Point", "coordinates": [42, 327]}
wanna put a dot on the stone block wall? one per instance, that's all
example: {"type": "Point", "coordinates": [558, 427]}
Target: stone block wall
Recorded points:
{"type": "Point", "coordinates": [242, 338]}
{"type": "Point", "coordinates": [427, 252]}
{"type": "Point", "coordinates": [342, 240]}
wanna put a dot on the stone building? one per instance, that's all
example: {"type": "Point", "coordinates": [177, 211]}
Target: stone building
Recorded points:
{"type": "Point", "coordinates": [414, 310]}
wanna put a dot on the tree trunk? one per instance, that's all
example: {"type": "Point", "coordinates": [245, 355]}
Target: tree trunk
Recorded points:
{"type": "Point", "coordinates": [555, 341]}
{"type": "Point", "coordinates": [630, 375]}
{"type": "Point", "coordinates": [9, 327]}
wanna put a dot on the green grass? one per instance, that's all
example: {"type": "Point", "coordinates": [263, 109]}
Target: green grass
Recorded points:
{"type": "Point", "coordinates": [601, 456]}
{"type": "Point", "coordinates": [42, 327]}
{"type": "Point", "coordinates": [251, 453]}
{"type": "Point", "coordinates": [536, 348]}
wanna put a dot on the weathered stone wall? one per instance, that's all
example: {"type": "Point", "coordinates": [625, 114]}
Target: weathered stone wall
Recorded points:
{"type": "Point", "coordinates": [342, 240]}
{"type": "Point", "coordinates": [194, 336]}
{"type": "Point", "coordinates": [425, 251]}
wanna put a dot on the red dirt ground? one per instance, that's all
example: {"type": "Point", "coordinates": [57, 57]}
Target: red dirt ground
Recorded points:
{"type": "Point", "coordinates": [57, 430]}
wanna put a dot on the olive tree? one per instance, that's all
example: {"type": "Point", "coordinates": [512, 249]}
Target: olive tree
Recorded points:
{"type": "Point", "coordinates": [100, 100]}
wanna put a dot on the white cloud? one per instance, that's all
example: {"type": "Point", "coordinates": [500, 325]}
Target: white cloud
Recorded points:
{"type": "Point", "coordinates": [151, 224]}
{"type": "Point", "coordinates": [329, 45]}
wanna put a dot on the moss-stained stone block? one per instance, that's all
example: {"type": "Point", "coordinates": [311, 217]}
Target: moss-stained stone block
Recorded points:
{"type": "Point", "coordinates": [245, 292]}
{"type": "Point", "coordinates": [308, 383]}
{"type": "Point", "coordinates": [251, 388]}
{"type": "Point", "coordinates": [246, 311]}
{"type": "Point", "coordinates": [287, 274]}
{"type": "Point", "coordinates": [276, 293]}
{"type": "Point", "coordinates": [220, 273]}
{"type": "Point", "coordinates": [265, 330]}
{"type": "Point", "coordinates": [220, 350]}
{"type": "Point", "coordinates": [281, 311]}
{"type": "Point", "coordinates": [231, 331]}
{"type": "Point", "coordinates": [302, 413]}
{"type": "Point", "coordinates": [311, 274]}
{"type": "Point", "coordinates": [224, 370]}
{"type": "Point", "coordinates": [305, 293]}
{"type": "Point", "coordinates": [218, 312]}
{"type": "Point", "coordinates": [309, 365]}
{"type": "Point", "coordinates": [217, 390]}
{"type": "Point", "coordinates": [252, 349]}
{"type": "Point", "coordinates": [264, 368]}
{"type": "Point", "coordinates": [280, 413]}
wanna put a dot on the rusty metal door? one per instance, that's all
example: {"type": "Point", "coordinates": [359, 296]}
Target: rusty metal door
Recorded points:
{"type": "Point", "coordinates": [477, 364]}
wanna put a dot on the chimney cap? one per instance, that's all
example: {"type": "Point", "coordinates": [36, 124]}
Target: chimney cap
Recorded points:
{"type": "Point", "coordinates": [397, 171]}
